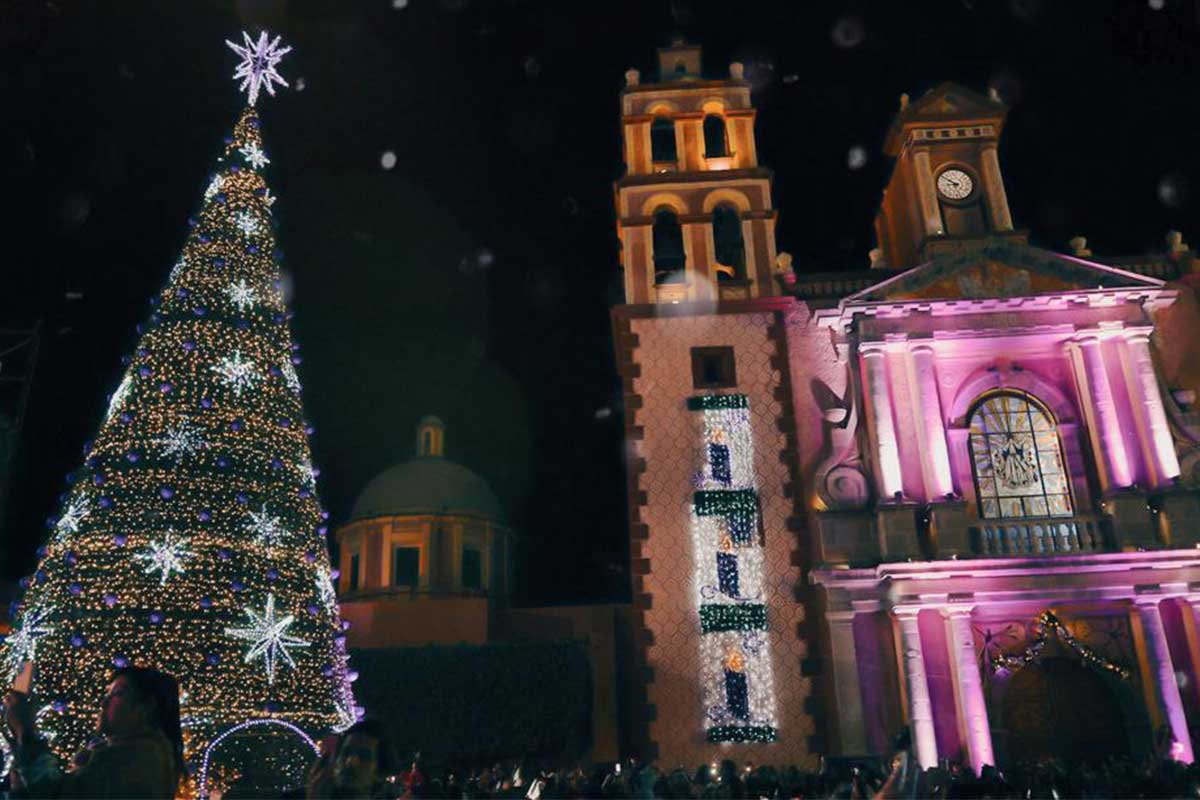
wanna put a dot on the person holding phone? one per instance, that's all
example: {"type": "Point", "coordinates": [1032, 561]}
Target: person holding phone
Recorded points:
{"type": "Point", "coordinates": [138, 751]}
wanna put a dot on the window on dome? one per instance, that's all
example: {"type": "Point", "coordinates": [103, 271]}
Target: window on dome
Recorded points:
{"type": "Point", "coordinates": [406, 566]}
{"type": "Point", "coordinates": [1017, 459]}
{"type": "Point", "coordinates": [355, 561]}
{"type": "Point", "coordinates": [472, 569]}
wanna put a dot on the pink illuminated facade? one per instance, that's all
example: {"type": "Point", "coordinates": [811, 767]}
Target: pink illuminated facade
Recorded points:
{"type": "Point", "coordinates": [967, 501]}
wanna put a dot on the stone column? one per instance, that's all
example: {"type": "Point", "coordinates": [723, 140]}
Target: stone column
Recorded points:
{"type": "Point", "coordinates": [700, 286]}
{"type": "Point", "coordinates": [968, 690]}
{"type": "Point", "coordinates": [852, 729]}
{"type": "Point", "coordinates": [879, 406]}
{"type": "Point", "coordinates": [930, 213]}
{"type": "Point", "coordinates": [993, 184]}
{"type": "Point", "coordinates": [920, 708]}
{"type": "Point", "coordinates": [1106, 418]}
{"type": "Point", "coordinates": [1162, 677]}
{"type": "Point", "coordinates": [935, 456]}
{"type": "Point", "coordinates": [1145, 381]}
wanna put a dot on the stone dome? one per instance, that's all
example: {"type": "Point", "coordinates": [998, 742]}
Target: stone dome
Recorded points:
{"type": "Point", "coordinates": [427, 485]}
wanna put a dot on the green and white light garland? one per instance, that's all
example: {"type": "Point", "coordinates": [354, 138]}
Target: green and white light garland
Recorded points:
{"type": "Point", "coordinates": [727, 543]}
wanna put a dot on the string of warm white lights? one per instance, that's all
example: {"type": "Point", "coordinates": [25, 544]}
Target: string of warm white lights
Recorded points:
{"type": "Point", "coordinates": [1046, 624]}
{"type": "Point", "coordinates": [736, 676]}
{"type": "Point", "coordinates": [192, 539]}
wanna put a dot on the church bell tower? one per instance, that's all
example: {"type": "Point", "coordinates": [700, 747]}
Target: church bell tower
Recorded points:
{"type": "Point", "coordinates": [946, 192]}
{"type": "Point", "coordinates": [694, 209]}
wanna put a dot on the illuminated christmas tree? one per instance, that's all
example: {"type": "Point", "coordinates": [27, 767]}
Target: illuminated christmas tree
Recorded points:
{"type": "Point", "coordinates": [192, 539]}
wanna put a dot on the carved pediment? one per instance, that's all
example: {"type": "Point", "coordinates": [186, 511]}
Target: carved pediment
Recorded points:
{"type": "Point", "coordinates": [1001, 270]}
{"type": "Point", "coordinates": [951, 100]}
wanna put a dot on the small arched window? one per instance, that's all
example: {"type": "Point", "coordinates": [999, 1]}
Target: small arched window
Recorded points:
{"type": "Point", "coordinates": [669, 256]}
{"type": "Point", "coordinates": [714, 137]}
{"type": "Point", "coordinates": [728, 243]}
{"type": "Point", "coordinates": [680, 68]}
{"type": "Point", "coordinates": [1017, 459]}
{"type": "Point", "coordinates": [662, 139]}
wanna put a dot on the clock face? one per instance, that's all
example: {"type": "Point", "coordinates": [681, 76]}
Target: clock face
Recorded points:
{"type": "Point", "coordinates": [955, 184]}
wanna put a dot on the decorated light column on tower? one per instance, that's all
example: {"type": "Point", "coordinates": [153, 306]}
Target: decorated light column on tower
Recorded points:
{"type": "Point", "coordinates": [191, 539]}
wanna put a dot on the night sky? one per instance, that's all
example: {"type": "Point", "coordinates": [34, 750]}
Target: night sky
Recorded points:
{"type": "Point", "coordinates": [473, 279]}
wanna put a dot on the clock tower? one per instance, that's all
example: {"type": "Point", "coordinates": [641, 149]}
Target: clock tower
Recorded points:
{"type": "Point", "coordinates": [946, 192]}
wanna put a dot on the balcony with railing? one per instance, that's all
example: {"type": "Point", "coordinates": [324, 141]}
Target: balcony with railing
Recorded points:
{"type": "Point", "coordinates": [1041, 536]}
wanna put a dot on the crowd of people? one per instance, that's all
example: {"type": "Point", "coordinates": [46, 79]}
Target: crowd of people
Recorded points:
{"type": "Point", "coordinates": [138, 753]}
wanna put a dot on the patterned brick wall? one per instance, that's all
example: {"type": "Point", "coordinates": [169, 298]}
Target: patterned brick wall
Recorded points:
{"type": "Point", "coordinates": [665, 453]}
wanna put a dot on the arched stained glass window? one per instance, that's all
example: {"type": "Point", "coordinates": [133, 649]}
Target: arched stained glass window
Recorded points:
{"type": "Point", "coordinates": [1017, 459]}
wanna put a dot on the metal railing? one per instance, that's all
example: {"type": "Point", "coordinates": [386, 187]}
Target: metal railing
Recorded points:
{"type": "Point", "coordinates": [1040, 536]}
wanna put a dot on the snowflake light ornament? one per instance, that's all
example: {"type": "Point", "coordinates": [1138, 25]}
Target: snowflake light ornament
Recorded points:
{"type": "Point", "coordinates": [166, 556]}
{"type": "Point", "coordinates": [177, 270]}
{"type": "Point", "coordinates": [308, 473]}
{"type": "Point", "coordinates": [254, 155]}
{"type": "Point", "coordinates": [119, 396]}
{"type": "Point", "coordinates": [289, 375]}
{"type": "Point", "coordinates": [325, 590]}
{"type": "Point", "coordinates": [268, 198]}
{"type": "Point", "coordinates": [76, 512]}
{"type": "Point", "coordinates": [214, 186]}
{"type": "Point", "coordinates": [269, 530]}
{"type": "Point", "coordinates": [247, 223]}
{"type": "Point", "coordinates": [21, 644]}
{"type": "Point", "coordinates": [181, 440]}
{"type": "Point", "coordinates": [257, 67]}
{"type": "Point", "coordinates": [237, 373]}
{"type": "Point", "coordinates": [241, 295]}
{"type": "Point", "coordinates": [268, 637]}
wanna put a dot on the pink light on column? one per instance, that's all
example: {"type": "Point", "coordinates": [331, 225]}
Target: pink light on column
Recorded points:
{"type": "Point", "coordinates": [920, 707]}
{"type": "Point", "coordinates": [1146, 379]}
{"type": "Point", "coordinates": [879, 406]}
{"type": "Point", "coordinates": [929, 408]}
{"type": "Point", "coordinates": [968, 688]}
{"type": "Point", "coordinates": [1107, 418]}
{"type": "Point", "coordinates": [1162, 677]}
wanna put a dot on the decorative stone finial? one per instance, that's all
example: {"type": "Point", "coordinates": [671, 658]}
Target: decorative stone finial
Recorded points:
{"type": "Point", "coordinates": [1079, 246]}
{"type": "Point", "coordinates": [737, 70]}
{"type": "Point", "coordinates": [783, 268]}
{"type": "Point", "coordinates": [1175, 243]}
{"type": "Point", "coordinates": [877, 259]}
{"type": "Point", "coordinates": [903, 101]}
{"type": "Point", "coordinates": [632, 77]}
{"type": "Point", "coordinates": [994, 95]}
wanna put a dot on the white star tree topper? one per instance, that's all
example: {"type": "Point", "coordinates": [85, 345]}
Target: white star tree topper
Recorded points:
{"type": "Point", "coordinates": [268, 637]}
{"type": "Point", "coordinates": [165, 557]}
{"type": "Point", "coordinates": [237, 373]}
{"type": "Point", "coordinates": [257, 67]}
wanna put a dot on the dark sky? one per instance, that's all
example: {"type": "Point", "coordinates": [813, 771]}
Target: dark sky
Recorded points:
{"type": "Point", "coordinates": [473, 279]}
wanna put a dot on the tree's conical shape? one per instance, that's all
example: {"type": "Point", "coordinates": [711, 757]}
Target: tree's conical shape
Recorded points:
{"type": "Point", "coordinates": [192, 540]}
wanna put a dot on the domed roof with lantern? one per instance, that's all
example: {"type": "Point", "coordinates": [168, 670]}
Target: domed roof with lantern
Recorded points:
{"type": "Point", "coordinates": [430, 483]}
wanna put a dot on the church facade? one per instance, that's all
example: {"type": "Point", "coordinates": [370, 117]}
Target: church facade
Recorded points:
{"type": "Point", "coordinates": [953, 494]}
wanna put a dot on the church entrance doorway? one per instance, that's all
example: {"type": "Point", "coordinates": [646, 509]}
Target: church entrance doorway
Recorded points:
{"type": "Point", "coordinates": [1056, 708]}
